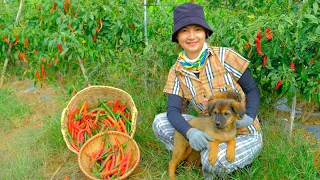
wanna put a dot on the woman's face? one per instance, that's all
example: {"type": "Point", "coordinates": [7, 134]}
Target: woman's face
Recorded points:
{"type": "Point", "coordinates": [191, 38]}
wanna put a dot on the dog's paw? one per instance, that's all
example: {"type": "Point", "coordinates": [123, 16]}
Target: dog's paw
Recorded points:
{"type": "Point", "coordinates": [230, 157]}
{"type": "Point", "coordinates": [212, 158]}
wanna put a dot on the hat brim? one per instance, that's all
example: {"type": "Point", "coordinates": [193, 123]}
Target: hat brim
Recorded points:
{"type": "Point", "coordinates": [189, 21]}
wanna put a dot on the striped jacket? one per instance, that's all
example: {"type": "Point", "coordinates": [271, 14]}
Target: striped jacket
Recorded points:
{"type": "Point", "coordinates": [220, 72]}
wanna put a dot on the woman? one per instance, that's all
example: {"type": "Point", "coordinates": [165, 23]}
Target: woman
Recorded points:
{"type": "Point", "coordinates": [199, 72]}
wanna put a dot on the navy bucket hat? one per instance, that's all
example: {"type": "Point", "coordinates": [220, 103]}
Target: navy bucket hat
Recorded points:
{"type": "Point", "coordinates": [187, 14]}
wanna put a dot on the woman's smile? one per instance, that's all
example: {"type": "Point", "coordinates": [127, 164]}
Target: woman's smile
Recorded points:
{"type": "Point", "coordinates": [192, 38]}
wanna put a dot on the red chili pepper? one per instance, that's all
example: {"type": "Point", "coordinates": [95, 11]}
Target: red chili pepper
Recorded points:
{"type": "Point", "coordinates": [97, 155]}
{"type": "Point", "coordinates": [60, 48]}
{"type": "Point", "coordinates": [68, 2]}
{"type": "Point", "coordinates": [95, 38]}
{"type": "Point", "coordinates": [269, 34]}
{"type": "Point", "coordinates": [38, 76]}
{"type": "Point", "coordinates": [6, 40]}
{"type": "Point", "coordinates": [318, 80]}
{"type": "Point", "coordinates": [53, 7]}
{"type": "Point", "coordinates": [21, 57]}
{"type": "Point", "coordinates": [17, 40]}
{"type": "Point", "coordinates": [123, 127]}
{"type": "Point", "coordinates": [75, 146]}
{"type": "Point", "coordinates": [82, 30]}
{"type": "Point", "coordinates": [65, 8]}
{"type": "Point", "coordinates": [49, 64]}
{"type": "Point", "coordinates": [292, 66]}
{"type": "Point", "coordinates": [114, 122]}
{"type": "Point", "coordinates": [279, 84]}
{"type": "Point", "coordinates": [248, 44]}
{"type": "Point", "coordinates": [116, 105]}
{"type": "Point", "coordinates": [26, 43]}
{"type": "Point", "coordinates": [315, 90]}
{"type": "Point", "coordinates": [131, 26]}
{"type": "Point", "coordinates": [312, 60]}
{"type": "Point", "coordinates": [264, 61]}
{"type": "Point", "coordinates": [257, 40]}
{"type": "Point", "coordinates": [22, 20]}
{"type": "Point", "coordinates": [79, 139]}
{"type": "Point", "coordinates": [43, 72]}
{"type": "Point", "coordinates": [259, 34]}
{"type": "Point", "coordinates": [57, 61]}
{"type": "Point", "coordinates": [128, 161]}
{"type": "Point", "coordinates": [107, 173]}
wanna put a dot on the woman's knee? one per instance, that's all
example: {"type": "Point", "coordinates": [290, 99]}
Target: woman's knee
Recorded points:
{"type": "Point", "coordinates": [158, 121]}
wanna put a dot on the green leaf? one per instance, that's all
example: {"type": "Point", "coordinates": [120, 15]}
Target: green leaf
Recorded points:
{"type": "Point", "coordinates": [287, 18]}
{"type": "Point", "coordinates": [58, 20]}
{"type": "Point", "coordinates": [50, 43]}
{"type": "Point", "coordinates": [312, 18]}
{"type": "Point", "coordinates": [91, 17]}
{"type": "Point", "coordinates": [319, 96]}
{"type": "Point", "coordinates": [251, 16]}
{"type": "Point", "coordinates": [317, 31]}
{"type": "Point", "coordinates": [64, 51]}
{"type": "Point", "coordinates": [315, 7]}
{"type": "Point", "coordinates": [103, 59]}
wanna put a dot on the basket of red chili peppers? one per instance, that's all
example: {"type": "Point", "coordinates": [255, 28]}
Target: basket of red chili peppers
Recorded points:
{"type": "Point", "coordinates": [97, 109]}
{"type": "Point", "coordinates": [109, 155]}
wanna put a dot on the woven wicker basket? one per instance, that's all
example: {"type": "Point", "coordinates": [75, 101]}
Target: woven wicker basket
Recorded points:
{"type": "Point", "coordinates": [94, 143]}
{"type": "Point", "coordinates": [92, 95]}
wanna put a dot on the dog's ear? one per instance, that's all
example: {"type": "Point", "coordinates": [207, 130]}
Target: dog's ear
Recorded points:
{"type": "Point", "coordinates": [211, 104]}
{"type": "Point", "coordinates": [238, 108]}
{"type": "Point", "coordinates": [234, 95]}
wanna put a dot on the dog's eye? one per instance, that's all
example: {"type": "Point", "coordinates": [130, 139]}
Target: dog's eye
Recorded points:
{"type": "Point", "coordinates": [226, 114]}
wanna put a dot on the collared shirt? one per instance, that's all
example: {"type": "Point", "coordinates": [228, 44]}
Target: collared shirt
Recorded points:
{"type": "Point", "coordinates": [222, 69]}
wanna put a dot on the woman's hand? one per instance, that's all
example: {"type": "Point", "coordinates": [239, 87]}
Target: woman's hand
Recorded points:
{"type": "Point", "coordinates": [244, 122]}
{"type": "Point", "coordinates": [198, 139]}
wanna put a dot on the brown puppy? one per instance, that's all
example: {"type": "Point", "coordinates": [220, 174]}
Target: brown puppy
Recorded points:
{"type": "Point", "coordinates": [224, 109]}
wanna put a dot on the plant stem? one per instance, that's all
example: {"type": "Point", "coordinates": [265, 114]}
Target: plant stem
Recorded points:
{"type": "Point", "coordinates": [10, 46]}
{"type": "Point", "coordinates": [83, 69]}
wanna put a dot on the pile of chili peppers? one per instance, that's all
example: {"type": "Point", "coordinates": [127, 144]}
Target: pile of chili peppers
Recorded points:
{"type": "Point", "coordinates": [85, 122]}
{"type": "Point", "coordinates": [111, 161]}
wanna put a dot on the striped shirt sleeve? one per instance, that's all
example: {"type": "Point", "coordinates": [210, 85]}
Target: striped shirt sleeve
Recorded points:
{"type": "Point", "coordinates": [235, 63]}
{"type": "Point", "coordinates": [173, 84]}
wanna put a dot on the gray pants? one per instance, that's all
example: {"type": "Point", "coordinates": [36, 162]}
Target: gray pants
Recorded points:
{"type": "Point", "coordinates": [247, 147]}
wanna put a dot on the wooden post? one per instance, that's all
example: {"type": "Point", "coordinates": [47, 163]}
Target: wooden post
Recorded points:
{"type": "Point", "coordinates": [293, 112]}
{"type": "Point", "coordinates": [145, 23]}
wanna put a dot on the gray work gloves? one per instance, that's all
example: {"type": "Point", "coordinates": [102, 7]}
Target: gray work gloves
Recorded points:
{"type": "Point", "coordinates": [198, 139]}
{"type": "Point", "coordinates": [244, 122]}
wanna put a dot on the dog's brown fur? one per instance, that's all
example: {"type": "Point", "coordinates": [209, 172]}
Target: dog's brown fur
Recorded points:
{"type": "Point", "coordinates": [224, 108]}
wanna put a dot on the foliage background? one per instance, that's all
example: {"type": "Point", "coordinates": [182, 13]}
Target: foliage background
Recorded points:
{"type": "Point", "coordinates": [118, 50]}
